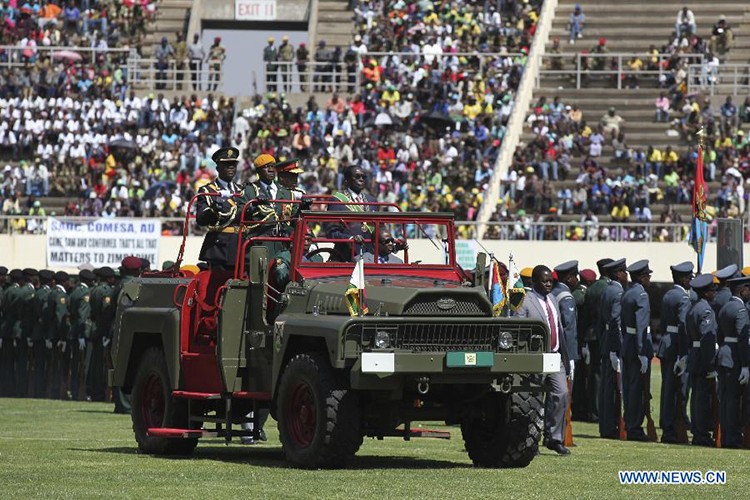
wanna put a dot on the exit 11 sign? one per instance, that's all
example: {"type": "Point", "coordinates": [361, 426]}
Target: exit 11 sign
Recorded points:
{"type": "Point", "coordinates": [255, 10]}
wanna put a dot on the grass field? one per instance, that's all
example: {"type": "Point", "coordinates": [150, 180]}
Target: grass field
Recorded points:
{"type": "Point", "coordinates": [56, 449]}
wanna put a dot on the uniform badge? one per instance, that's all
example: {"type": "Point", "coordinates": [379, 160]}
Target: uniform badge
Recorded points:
{"type": "Point", "coordinates": [85, 298]}
{"type": "Point", "coordinates": [62, 300]}
{"type": "Point", "coordinates": [230, 153]}
{"type": "Point", "coordinates": [107, 300]}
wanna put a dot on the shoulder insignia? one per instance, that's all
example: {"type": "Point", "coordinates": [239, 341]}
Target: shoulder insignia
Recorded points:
{"type": "Point", "coordinates": [62, 300]}
{"type": "Point", "coordinates": [107, 300]}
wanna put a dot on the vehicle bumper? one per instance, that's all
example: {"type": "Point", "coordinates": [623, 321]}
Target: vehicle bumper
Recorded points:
{"type": "Point", "coordinates": [385, 364]}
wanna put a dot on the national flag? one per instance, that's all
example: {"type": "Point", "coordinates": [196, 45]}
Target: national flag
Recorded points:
{"type": "Point", "coordinates": [515, 291]}
{"type": "Point", "coordinates": [497, 293]}
{"type": "Point", "coordinates": [699, 225]}
{"type": "Point", "coordinates": [356, 299]}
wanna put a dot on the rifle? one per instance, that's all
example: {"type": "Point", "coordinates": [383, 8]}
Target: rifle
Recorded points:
{"type": "Point", "coordinates": [650, 427]}
{"type": "Point", "coordinates": [715, 412]}
{"type": "Point", "coordinates": [618, 408]}
{"type": "Point", "coordinates": [568, 441]}
{"type": "Point", "coordinates": [679, 421]}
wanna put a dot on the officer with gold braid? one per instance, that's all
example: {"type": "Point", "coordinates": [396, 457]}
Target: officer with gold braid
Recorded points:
{"type": "Point", "coordinates": [219, 213]}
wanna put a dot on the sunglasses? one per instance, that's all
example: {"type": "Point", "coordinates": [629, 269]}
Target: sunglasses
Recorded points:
{"type": "Point", "coordinates": [388, 241]}
{"type": "Point", "coordinates": [358, 176]}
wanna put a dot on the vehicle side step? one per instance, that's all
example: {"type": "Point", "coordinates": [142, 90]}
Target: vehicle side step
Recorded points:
{"type": "Point", "coordinates": [419, 433]}
{"type": "Point", "coordinates": [262, 396]}
{"type": "Point", "coordinates": [196, 395]}
{"type": "Point", "coordinates": [171, 433]}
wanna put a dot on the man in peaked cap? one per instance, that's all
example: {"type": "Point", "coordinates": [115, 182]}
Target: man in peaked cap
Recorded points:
{"type": "Point", "coordinates": [567, 280]}
{"type": "Point", "coordinates": [59, 313]}
{"type": "Point", "coordinates": [80, 322]}
{"type": "Point", "coordinates": [101, 304]}
{"type": "Point", "coordinates": [288, 172]}
{"type": "Point", "coordinates": [702, 332]}
{"type": "Point", "coordinates": [673, 349]}
{"type": "Point", "coordinates": [7, 342]}
{"type": "Point", "coordinates": [611, 341]}
{"type": "Point", "coordinates": [23, 328]}
{"type": "Point", "coordinates": [723, 294]}
{"type": "Point", "coordinates": [593, 330]}
{"type": "Point", "coordinates": [733, 361]}
{"type": "Point", "coordinates": [637, 348]}
{"type": "Point", "coordinates": [41, 344]}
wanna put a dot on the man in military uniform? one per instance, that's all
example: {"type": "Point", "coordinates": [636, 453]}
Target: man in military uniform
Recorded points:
{"type": "Point", "coordinates": [130, 269]}
{"type": "Point", "coordinates": [673, 348]}
{"type": "Point", "coordinates": [637, 348]}
{"type": "Point", "coordinates": [723, 294]}
{"type": "Point", "coordinates": [270, 56]}
{"type": "Point", "coordinates": [216, 55]}
{"type": "Point", "coordinates": [360, 233]}
{"type": "Point", "coordinates": [219, 211]}
{"type": "Point", "coordinates": [733, 361]}
{"type": "Point", "coordinates": [23, 328]}
{"type": "Point", "coordinates": [302, 56]}
{"type": "Point", "coordinates": [288, 172]}
{"type": "Point", "coordinates": [286, 56]}
{"type": "Point", "coordinates": [702, 332]}
{"type": "Point", "coordinates": [7, 342]}
{"type": "Point", "coordinates": [80, 331]}
{"type": "Point", "coordinates": [60, 330]}
{"type": "Point", "coordinates": [610, 321]}
{"type": "Point", "coordinates": [3, 285]}
{"type": "Point", "coordinates": [567, 280]}
{"type": "Point", "coordinates": [41, 345]}
{"type": "Point", "coordinates": [580, 404]}
{"type": "Point", "coordinates": [101, 303]}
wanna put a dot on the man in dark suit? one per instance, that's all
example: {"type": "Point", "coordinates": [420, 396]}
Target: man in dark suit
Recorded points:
{"type": "Point", "coordinates": [540, 305]}
{"type": "Point", "coordinates": [360, 233]}
{"type": "Point", "coordinates": [387, 248]}
{"type": "Point", "coordinates": [218, 213]}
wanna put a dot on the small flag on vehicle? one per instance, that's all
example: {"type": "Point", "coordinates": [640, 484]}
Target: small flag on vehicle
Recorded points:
{"type": "Point", "coordinates": [355, 297]}
{"type": "Point", "coordinates": [515, 291]}
{"type": "Point", "coordinates": [497, 294]}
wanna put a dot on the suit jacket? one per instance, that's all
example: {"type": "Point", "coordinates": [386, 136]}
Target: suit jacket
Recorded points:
{"type": "Point", "coordinates": [532, 309]}
{"type": "Point", "coordinates": [349, 230]}
{"type": "Point", "coordinates": [392, 258]}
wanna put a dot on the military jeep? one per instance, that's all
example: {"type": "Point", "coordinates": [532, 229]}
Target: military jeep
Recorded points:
{"type": "Point", "coordinates": [199, 354]}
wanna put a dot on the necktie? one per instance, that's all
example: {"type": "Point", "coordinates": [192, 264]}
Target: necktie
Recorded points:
{"type": "Point", "coordinates": [272, 190]}
{"type": "Point", "coordinates": [552, 324]}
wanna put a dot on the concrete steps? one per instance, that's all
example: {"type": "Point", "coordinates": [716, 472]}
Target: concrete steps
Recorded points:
{"type": "Point", "coordinates": [335, 24]}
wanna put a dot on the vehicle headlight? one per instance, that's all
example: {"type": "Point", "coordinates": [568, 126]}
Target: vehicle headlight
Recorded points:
{"type": "Point", "coordinates": [505, 341]}
{"type": "Point", "coordinates": [382, 340]}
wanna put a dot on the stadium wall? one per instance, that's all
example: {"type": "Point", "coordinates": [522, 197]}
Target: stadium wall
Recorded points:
{"type": "Point", "coordinates": [19, 251]}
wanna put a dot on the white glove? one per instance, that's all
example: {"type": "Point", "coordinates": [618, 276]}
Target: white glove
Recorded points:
{"type": "Point", "coordinates": [48, 344]}
{"type": "Point", "coordinates": [572, 369]}
{"type": "Point", "coordinates": [15, 344]}
{"type": "Point", "coordinates": [680, 366]}
{"type": "Point", "coordinates": [1, 342]}
{"type": "Point", "coordinates": [586, 354]}
{"type": "Point", "coordinates": [81, 344]}
{"type": "Point", "coordinates": [712, 374]}
{"type": "Point", "coordinates": [29, 342]}
{"type": "Point", "coordinates": [644, 363]}
{"type": "Point", "coordinates": [105, 341]}
{"type": "Point", "coordinates": [744, 375]}
{"type": "Point", "coordinates": [61, 344]}
{"type": "Point", "coordinates": [615, 361]}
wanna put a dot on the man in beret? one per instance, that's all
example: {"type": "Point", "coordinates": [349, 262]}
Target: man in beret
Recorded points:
{"type": "Point", "coordinates": [702, 331]}
{"type": "Point", "coordinates": [41, 345]}
{"type": "Point", "coordinates": [672, 352]}
{"type": "Point", "coordinates": [7, 343]}
{"type": "Point", "coordinates": [611, 340]}
{"type": "Point", "coordinates": [637, 348]}
{"type": "Point", "coordinates": [60, 330]}
{"type": "Point", "coordinates": [80, 331]}
{"type": "Point", "coordinates": [22, 329]}
{"type": "Point", "coordinates": [101, 304]}
{"type": "Point", "coordinates": [218, 212]}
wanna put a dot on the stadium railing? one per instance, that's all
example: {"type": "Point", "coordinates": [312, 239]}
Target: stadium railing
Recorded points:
{"type": "Point", "coordinates": [13, 56]}
{"type": "Point", "coordinates": [725, 79]}
{"type": "Point", "coordinates": [143, 73]}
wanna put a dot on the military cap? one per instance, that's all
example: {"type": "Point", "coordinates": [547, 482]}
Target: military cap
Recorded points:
{"type": "Point", "coordinates": [85, 265]}
{"type": "Point", "coordinates": [614, 266]}
{"type": "Point", "coordinates": [87, 275]}
{"type": "Point", "coordinates": [46, 274]}
{"type": "Point", "coordinates": [105, 272]}
{"type": "Point", "coordinates": [61, 276]}
{"type": "Point", "coordinates": [741, 281]}
{"type": "Point", "coordinates": [167, 264]}
{"type": "Point", "coordinates": [16, 274]}
{"type": "Point", "coordinates": [3, 270]}
{"type": "Point", "coordinates": [683, 268]}
{"type": "Point", "coordinates": [264, 160]}
{"type": "Point", "coordinates": [131, 262]}
{"type": "Point", "coordinates": [639, 267]}
{"type": "Point", "coordinates": [289, 166]}
{"type": "Point", "coordinates": [30, 272]}
{"type": "Point", "coordinates": [566, 267]}
{"type": "Point", "coordinates": [588, 275]}
{"type": "Point", "coordinates": [601, 263]}
{"type": "Point", "coordinates": [526, 272]}
{"type": "Point", "coordinates": [226, 155]}
{"type": "Point", "coordinates": [145, 264]}
{"type": "Point", "coordinates": [726, 272]}
{"type": "Point", "coordinates": [746, 271]}
{"type": "Point", "coordinates": [701, 281]}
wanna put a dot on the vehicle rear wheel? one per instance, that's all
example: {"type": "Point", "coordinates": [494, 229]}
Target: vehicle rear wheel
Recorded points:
{"type": "Point", "coordinates": [503, 430]}
{"type": "Point", "coordinates": [319, 418]}
{"type": "Point", "coordinates": [153, 406]}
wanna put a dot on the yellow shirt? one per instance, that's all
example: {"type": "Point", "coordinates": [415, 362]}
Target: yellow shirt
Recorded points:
{"type": "Point", "coordinates": [471, 111]}
{"type": "Point", "coordinates": [620, 212]}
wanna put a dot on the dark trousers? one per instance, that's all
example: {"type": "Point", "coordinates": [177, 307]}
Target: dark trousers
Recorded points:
{"type": "Point", "coordinates": [632, 386]}
{"type": "Point", "coordinates": [96, 384]}
{"type": "Point", "coordinates": [580, 404]}
{"type": "Point", "coordinates": [8, 369]}
{"type": "Point", "coordinates": [63, 375]}
{"type": "Point", "coordinates": [196, 66]}
{"type": "Point", "coordinates": [593, 380]}
{"type": "Point", "coordinates": [700, 408]}
{"type": "Point", "coordinates": [77, 357]}
{"type": "Point", "coordinates": [730, 391]}
{"type": "Point", "coordinates": [670, 385]}
{"type": "Point", "coordinates": [302, 71]}
{"type": "Point", "coordinates": [22, 368]}
{"type": "Point", "coordinates": [40, 369]}
{"type": "Point", "coordinates": [608, 410]}
{"type": "Point", "coordinates": [555, 405]}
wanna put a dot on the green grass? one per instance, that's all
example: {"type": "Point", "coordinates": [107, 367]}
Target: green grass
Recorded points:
{"type": "Point", "coordinates": [81, 450]}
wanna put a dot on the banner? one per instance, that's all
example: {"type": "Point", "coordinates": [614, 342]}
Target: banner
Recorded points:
{"type": "Point", "coordinates": [255, 10]}
{"type": "Point", "coordinates": [103, 242]}
{"type": "Point", "coordinates": [466, 253]}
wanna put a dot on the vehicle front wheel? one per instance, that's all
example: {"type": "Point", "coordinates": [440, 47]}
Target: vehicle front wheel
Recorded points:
{"type": "Point", "coordinates": [319, 418]}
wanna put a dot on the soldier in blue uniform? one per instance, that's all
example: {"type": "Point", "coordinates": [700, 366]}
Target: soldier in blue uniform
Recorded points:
{"type": "Point", "coordinates": [567, 280]}
{"type": "Point", "coordinates": [673, 348]}
{"type": "Point", "coordinates": [733, 361]}
{"type": "Point", "coordinates": [610, 324]}
{"type": "Point", "coordinates": [723, 294]}
{"type": "Point", "coordinates": [702, 329]}
{"type": "Point", "coordinates": [637, 348]}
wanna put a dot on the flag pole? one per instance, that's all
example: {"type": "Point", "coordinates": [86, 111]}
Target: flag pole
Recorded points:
{"type": "Point", "coordinates": [698, 256]}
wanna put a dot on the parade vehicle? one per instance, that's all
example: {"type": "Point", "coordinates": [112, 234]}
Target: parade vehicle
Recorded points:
{"type": "Point", "coordinates": [198, 354]}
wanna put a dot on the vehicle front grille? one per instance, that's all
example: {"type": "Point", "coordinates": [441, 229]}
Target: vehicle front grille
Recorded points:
{"type": "Point", "coordinates": [430, 306]}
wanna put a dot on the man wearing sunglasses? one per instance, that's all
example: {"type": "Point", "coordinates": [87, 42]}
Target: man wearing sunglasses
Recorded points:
{"type": "Point", "coordinates": [387, 247]}
{"type": "Point", "coordinates": [360, 233]}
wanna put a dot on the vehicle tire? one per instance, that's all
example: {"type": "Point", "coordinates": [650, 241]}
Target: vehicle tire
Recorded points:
{"type": "Point", "coordinates": [503, 430]}
{"type": "Point", "coordinates": [319, 418]}
{"type": "Point", "coordinates": [153, 406]}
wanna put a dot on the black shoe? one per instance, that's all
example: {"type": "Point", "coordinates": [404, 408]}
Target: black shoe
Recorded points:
{"type": "Point", "coordinates": [704, 442]}
{"type": "Point", "coordinates": [669, 440]}
{"type": "Point", "coordinates": [262, 435]}
{"type": "Point", "coordinates": [558, 448]}
{"type": "Point", "coordinates": [545, 441]}
{"type": "Point", "coordinates": [610, 436]}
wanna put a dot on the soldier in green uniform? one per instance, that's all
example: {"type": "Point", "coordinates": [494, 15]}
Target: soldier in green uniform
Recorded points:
{"type": "Point", "coordinates": [591, 349]}
{"type": "Point", "coordinates": [59, 331]}
{"type": "Point", "coordinates": [41, 346]}
{"type": "Point", "coordinates": [22, 329]}
{"type": "Point", "coordinates": [80, 331]}
{"type": "Point", "coordinates": [7, 343]}
{"type": "Point", "coordinates": [270, 55]}
{"type": "Point", "coordinates": [286, 56]}
{"type": "Point", "coordinates": [130, 269]}
{"type": "Point", "coordinates": [3, 284]}
{"type": "Point", "coordinates": [101, 304]}
{"type": "Point", "coordinates": [216, 55]}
